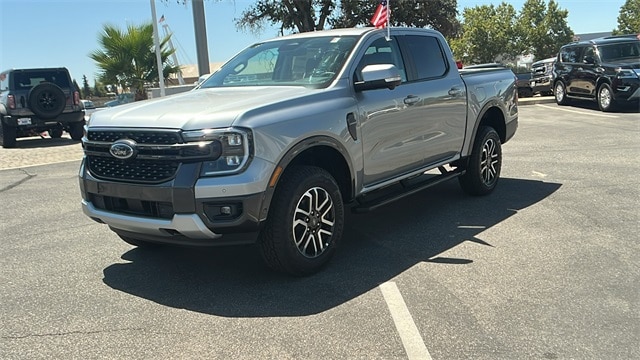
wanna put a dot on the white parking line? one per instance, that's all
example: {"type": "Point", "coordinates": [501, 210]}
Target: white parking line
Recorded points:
{"type": "Point", "coordinates": [409, 334]}
{"type": "Point", "coordinates": [578, 111]}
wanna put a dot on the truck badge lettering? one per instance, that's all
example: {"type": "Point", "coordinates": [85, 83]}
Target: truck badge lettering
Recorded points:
{"type": "Point", "coordinates": [123, 149]}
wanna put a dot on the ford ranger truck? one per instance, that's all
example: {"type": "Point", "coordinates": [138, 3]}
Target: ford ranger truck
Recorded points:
{"type": "Point", "coordinates": [276, 144]}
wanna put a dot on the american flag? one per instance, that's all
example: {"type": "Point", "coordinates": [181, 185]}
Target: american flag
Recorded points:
{"type": "Point", "coordinates": [379, 19]}
{"type": "Point", "coordinates": [161, 18]}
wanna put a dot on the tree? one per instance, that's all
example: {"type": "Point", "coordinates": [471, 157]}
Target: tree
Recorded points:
{"type": "Point", "coordinates": [440, 15]}
{"type": "Point", "coordinates": [487, 34]}
{"type": "Point", "coordinates": [96, 88]}
{"type": "Point", "coordinates": [312, 15]}
{"type": "Point", "coordinates": [542, 29]}
{"type": "Point", "coordinates": [629, 18]}
{"type": "Point", "coordinates": [86, 90]}
{"type": "Point", "coordinates": [128, 58]}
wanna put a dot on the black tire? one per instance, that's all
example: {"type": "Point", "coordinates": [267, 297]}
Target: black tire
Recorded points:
{"type": "Point", "coordinates": [55, 133]}
{"type": "Point", "coordinates": [76, 130]}
{"type": "Point", "coordinates": [560, 92]}
{"type": "Point", "coordinates": [46, 100]}
{"type": "Point", "coordinates": [605, 98]}
{"type": "Point", "coordinates": [139, 243]}
{"type": "Point", "coordinates": [8, 135]}
{"type": "Point", "coordinates": [300, 237]}
{"type": "Point", "coordinates": [484, 164]}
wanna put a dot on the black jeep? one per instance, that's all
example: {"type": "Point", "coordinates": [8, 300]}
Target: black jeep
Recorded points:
{"type": "Point", "coordinates": [33, 101]}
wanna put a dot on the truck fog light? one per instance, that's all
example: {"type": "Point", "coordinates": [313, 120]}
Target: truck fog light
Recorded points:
{"type": "Point", "coordinates": [225, 210]}
{"type": "Point", "coordinates": [233, 160]}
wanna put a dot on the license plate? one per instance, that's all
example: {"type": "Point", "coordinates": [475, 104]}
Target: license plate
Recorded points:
{"type": "Point", "coordinates": [24, 121]}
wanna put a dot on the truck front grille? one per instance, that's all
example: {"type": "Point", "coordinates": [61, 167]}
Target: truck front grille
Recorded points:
{"type": "Point", "coordinates": [157, 155]}
{"type": "Point", "coordinates": [137, 170]}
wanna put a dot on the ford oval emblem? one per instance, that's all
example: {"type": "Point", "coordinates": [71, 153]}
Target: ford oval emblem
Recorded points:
{"type": "Point", "coordinates": [123, 149]}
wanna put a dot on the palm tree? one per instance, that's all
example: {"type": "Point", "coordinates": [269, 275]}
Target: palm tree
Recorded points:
{"type": "Point", "coordinates": [128, 58]}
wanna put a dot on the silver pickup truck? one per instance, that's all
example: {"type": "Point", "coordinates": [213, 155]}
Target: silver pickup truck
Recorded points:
{"type": "Point", "coordinates": [273, 146]}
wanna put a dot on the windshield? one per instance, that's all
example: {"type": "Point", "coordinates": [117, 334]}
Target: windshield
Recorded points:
{"type": "Point", "coordinates": [310, 62]}
{"type": "Point", "coordinates": [620, 51]}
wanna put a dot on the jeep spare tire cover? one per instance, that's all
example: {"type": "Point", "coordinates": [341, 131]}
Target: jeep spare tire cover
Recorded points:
{"type": "Point", "coordinates": [46, 100]}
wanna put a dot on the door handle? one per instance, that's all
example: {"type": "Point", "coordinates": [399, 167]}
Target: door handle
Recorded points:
{"type": "Point", "coordinates": [411, 99]}
{"type": "Point", "coordinates": [454, 91]}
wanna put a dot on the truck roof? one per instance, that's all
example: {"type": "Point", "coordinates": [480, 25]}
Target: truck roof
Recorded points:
{"type": "Point", "coordinates": [345, 32]}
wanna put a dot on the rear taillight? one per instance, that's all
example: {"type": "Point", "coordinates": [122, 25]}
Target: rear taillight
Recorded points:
{"type": "Point", "coordinates": [76, 98]}
{"type": "Point", "coordinates": [11, 101]}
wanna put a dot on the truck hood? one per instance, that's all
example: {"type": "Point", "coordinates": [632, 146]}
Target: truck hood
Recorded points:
{"type": "Point", "coordinates": [625, 63]}
{"type": "Point", "coordinates": [197, 109]}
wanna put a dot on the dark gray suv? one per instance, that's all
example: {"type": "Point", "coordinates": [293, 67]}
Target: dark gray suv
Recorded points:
{"type": "Point", "coordinates": [33, 101]}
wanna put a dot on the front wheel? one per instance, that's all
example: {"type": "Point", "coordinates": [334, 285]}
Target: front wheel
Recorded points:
{"type": "Point", "coordinates": [484, 164]}
{"type": "Point", "coordinates": [605, 98]}
{"type": "Point", "coordinates": [138, 243]}
{"type": "Point", "coordinates": [560, 92]}
{"type": "Point", "coordinates": [305, 223]}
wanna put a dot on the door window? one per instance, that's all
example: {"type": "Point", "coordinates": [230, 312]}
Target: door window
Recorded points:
{"type": "Point", "coordinates": [569, 54]}
{"type": "Point", "coordinates": [381, 51]}
{"type": "Point", "coordinates": [427, 56]}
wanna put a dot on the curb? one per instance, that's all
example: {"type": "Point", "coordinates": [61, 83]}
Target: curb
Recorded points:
{"type": "Point", "coordinates": [536, 100]}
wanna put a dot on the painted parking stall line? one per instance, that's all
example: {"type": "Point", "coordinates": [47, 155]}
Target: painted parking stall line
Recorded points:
{"type": "Point", "coordinates": [590, 113]}
{"type": "Point", "coordinates": [407, 329]}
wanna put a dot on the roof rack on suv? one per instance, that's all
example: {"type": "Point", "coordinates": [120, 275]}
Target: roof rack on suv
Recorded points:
{"type": "Point", "coordinates": [630, 36]}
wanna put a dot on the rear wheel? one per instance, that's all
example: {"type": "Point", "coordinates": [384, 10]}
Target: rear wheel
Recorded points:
{"type": "Point", "coordinates": [76, 130]}
{"type": "Point", "coordinates": [560, 92]}
{"type": "Point", "coordinates": [8, 135]}
{"type": "Point", "coordinates": [55, 133]}
{"type": "Point", "coordinates": [483, 169]}
{"type": "Point", "coordinates": [305, 222]}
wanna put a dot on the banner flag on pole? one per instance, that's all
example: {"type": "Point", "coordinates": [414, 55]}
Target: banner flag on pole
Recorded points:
{"type": "Point", "coordinates": [380, 18]}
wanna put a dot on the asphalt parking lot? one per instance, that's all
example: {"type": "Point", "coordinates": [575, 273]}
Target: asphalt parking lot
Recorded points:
{"type": "Point", "coordinates": [546, 267]}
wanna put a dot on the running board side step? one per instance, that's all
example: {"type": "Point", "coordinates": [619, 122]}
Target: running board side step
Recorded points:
{"type": "Point", "coordinates": [402, 189]}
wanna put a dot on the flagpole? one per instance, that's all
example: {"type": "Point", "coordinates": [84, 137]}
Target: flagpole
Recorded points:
{"type": "Point", "coordinates": [388, 20]}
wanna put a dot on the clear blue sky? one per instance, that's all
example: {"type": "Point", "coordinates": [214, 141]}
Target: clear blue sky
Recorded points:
{"type": "Point", "coordinates": [43, 33]}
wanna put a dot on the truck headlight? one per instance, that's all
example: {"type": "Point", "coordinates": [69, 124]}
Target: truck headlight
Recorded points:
{"type": "Point", "coordinates": [626, 73]}
{"type": "Point", "coordinates": [236, 148]}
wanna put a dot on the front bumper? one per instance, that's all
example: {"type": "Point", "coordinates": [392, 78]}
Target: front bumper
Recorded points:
{"type": "Point", "coordinates": [186, 210]}
{"type": "Point", "coordinates": [541, 84]}
{"type": "Point", "coordinates": [626, 89]}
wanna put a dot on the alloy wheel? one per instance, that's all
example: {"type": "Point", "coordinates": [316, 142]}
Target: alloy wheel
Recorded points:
{"type": "Point", "coordinates": [313, 222]}
{"type": "Point", "coordinates": [489, 162]}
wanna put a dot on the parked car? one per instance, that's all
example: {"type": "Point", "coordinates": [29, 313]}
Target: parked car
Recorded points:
{"type": "Point", "coordinates": [523, 82]}
{"type": "Point", "coordinates": [542, 76]}
{"type": "Point", "coordinates": [273, 152]}
{"type": "Point", "coordinates": [89, 108]}
{"type": "Point", "coordinates": [605, 70]}
{"type": "Point", "coordinates": [33, 101]}
{"type": "Point", "coordinates": [120, 99]}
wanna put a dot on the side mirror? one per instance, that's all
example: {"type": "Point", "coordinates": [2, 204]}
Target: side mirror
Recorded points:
{"type": "Point", "coordinates": [379, 76]}
{"type": "Point", "coordinates": [589, 60]}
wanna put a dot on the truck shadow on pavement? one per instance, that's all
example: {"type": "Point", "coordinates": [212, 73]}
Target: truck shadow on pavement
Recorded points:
{"type": "Point", "coordinates": [376, 247]}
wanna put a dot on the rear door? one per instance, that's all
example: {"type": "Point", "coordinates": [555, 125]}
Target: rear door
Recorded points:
{"type": "Point", "coordinates": [439, 98]}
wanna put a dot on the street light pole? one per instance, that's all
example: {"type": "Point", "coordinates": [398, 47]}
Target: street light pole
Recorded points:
{"type": "Point", "coordinates": [200, 29]}
{"type": "Point", "coordinates": [156, 43]}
